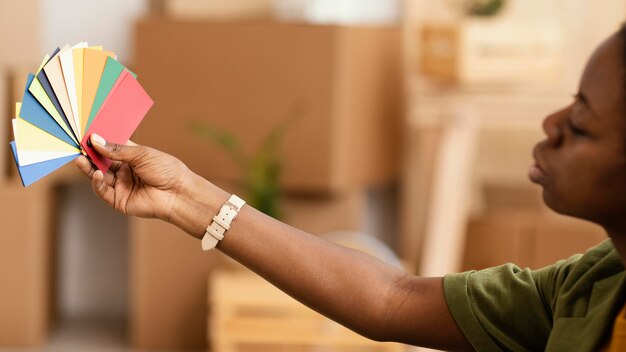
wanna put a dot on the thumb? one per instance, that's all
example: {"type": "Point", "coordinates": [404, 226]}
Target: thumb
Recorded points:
{"type": "Point", "coordinates": [118, 152]}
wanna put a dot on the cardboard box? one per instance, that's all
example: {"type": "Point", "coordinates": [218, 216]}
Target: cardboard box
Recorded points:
{"type": "Point", "coordinates": [203, 9]}
{"type": "Point", "coordinates": [321, 215]}
{"type": "Point", "coordinates": [517, 228]}
{"type": "Point", "coordinates": [168, 286]}
{"type": "Point", "coordinates": [493, 240]}
{"type": "Point", "coordinates": [5, 125]}
{"type": "Point", "coordinates": [341, 86]}
{"type": "Point", "coordinates": [25, 252]}
{"type": "Point", "coordinates": [20, 28]}
{"type": "Point", "coordinates": [317, 214]}
{"type": "Point", "coordinates": [477, 51]}
{"type": "Point", "coordinates": [169, 270]}
{"type": "Point", "coordinates": [559, 237]}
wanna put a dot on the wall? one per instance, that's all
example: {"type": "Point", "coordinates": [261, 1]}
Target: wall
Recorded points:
{"type": "Point", "coordinates": [109, 23]}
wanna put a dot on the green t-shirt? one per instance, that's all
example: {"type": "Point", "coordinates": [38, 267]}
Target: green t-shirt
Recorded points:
{"type": "Point", "coordinates": [568, 306]}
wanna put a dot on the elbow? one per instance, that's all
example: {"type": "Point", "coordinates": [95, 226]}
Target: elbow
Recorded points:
{"type": "Point", "coordinates": [383, 326]}
{"type": "Point", "coordinates": [368, 331]}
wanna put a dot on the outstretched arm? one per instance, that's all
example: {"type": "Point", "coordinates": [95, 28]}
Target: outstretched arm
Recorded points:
{"type": "Point", "coordinates": [352, 288]}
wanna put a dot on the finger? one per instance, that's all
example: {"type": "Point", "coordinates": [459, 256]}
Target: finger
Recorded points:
{"type": "Point", "coordinates": [85, 166]}
{"type": "Point", "coordinates": [115, 166]}
{"type": "Point", "coordinates": [117, 152]}
{"type": "Point", "coordinates": [103, 190]}
{"type": "Point", "coordinates": [110, 178]}
{"type": "Point", "coordinates": [88, 169]}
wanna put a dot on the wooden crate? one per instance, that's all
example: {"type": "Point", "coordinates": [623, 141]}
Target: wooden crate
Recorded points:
{"type": "Point", "coordinates": [249, 314]}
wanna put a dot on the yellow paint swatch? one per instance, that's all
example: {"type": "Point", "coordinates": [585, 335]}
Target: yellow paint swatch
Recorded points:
{"type": "Point", "coordinates": [78, 76]}
{"type": "Point", "coordinates": [78, 81]}
{"type": "Point", "coordinates": [35, 145]}
{"type": "Point", "coordinates": [93, 66]}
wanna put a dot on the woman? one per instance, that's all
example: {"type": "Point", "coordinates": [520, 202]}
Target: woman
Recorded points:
{"type": "Point", "coordinates": [572, 305]}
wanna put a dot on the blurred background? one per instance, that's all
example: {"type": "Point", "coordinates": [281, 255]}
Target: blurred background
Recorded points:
{"type": "Point", "coordinates": [400, 128]}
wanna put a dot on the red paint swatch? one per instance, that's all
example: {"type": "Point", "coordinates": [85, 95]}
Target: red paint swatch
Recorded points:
{"type": "Point", "coordinates": [119, 116]}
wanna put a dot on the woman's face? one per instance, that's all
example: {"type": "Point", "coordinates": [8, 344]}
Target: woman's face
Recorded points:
{"type": "Point", "coordinates": [581, 163]}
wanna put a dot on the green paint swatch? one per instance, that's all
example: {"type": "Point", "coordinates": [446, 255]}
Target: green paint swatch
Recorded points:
{"type": "Point", "coordinates": [112, 71]}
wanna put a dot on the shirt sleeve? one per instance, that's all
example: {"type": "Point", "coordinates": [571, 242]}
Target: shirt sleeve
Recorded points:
{"type": "Point", "coordinates": [503, 308]}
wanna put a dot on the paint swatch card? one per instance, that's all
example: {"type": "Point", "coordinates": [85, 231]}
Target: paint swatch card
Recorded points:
{"type": "Point", "coordinates": [77, 91]}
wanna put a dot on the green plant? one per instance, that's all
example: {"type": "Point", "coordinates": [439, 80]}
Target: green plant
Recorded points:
{"type": "Point", "coordinates": [484, 8]}
{"type": "Point", "coordinates": [260, 171]}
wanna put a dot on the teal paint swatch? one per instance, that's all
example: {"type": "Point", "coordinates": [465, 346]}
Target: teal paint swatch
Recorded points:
{"type": "Point", "coordinates": [112, 71]}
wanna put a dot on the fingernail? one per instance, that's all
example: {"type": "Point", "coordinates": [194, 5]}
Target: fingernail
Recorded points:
{"type": "Point", "coordinates": [98, 140]}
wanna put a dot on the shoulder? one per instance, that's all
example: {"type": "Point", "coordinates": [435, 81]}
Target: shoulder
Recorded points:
{"type": "Point", "coordinates": [483, 302]}
{"type": "Point", "coordinates": [597, 263]}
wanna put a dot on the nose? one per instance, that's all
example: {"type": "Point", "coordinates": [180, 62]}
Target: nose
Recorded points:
{"type": "Point", "coordinates": [553, 127]}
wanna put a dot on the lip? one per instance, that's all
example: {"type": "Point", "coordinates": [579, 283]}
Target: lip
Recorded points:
{"type": "Point", "coordinates": [536, 173]}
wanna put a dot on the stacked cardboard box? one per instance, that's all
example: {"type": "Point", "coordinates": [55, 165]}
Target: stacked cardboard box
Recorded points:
{"type": "Point", "coordinates": [168, 294]}
{"type": "Point", "coordinates": [477, 52]}
{"type": "Point", "coordinates": [20, 35]}
{"type": "Point", "coordinates": [26, 214]}
{"type": "Point", "coordinates": [4, 127]}
{"type": "Point", "coordinates": [20, 48]}
{"type": "Point", "coordinates": [25, 244]}
{"type": "Point", "coordinates": [15, 84]}
{"type": "Point", "coordinates": [519, 229]}
{"type": "Point", "coordinates": [220, 10]}
{"type": "Point", "coordinates": [340, 87]}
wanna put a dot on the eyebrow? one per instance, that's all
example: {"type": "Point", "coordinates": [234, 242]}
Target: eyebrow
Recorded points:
{"type": "Point", "coordinates": [583, 99]}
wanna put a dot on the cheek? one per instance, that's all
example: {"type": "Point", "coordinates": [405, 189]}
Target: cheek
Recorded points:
{"type": "Point", "coordinates": [588, 185]}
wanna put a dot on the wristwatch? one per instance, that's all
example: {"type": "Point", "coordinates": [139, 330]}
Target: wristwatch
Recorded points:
{"type": "Point", "coordinates": [221, 222]}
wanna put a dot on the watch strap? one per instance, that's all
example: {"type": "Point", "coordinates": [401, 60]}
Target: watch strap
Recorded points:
{"type": "Point", "coordinates": [221, 222]}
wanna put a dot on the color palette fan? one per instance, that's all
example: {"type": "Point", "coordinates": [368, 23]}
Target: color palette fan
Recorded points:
{"type": "Point", "coordinates": [77, 91]}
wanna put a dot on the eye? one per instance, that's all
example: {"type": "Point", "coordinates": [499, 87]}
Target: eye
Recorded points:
{"type": "Point", "coordinates": [579, 97]}
{"type": "Point", "coordinates": [576, 130]}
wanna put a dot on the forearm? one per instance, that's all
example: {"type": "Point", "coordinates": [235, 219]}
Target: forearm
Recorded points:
{"type": "Point", "coordinates": [355, 289]}
{"type": "Point", "coordinates": [331, 279]}
{"type": "Point", "coordinates": [345, 285]}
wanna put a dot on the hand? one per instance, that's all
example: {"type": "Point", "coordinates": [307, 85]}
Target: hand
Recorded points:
{"type": "Point", "coordinates": [141, 181]}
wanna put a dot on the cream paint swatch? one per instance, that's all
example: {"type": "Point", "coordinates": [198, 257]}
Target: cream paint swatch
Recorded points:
{"type": "Point", "coordinates": [67, 67]}
{"type": "Point", "coordinates": [78, 55]}
{"type": "Point", "coordinates": [35, 145]}
{"type": "Point", "coordinates": [42, 97]}
{"type": "Point", "coordinates": [93, 66]}
{"type": "Point", "coordinates": [55, 76]}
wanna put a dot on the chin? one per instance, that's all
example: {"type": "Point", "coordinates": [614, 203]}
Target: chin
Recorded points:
{"type": "Point", "coordinates": [567, 208]}
{"type": "Point", "coordinates": [560, 206]}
